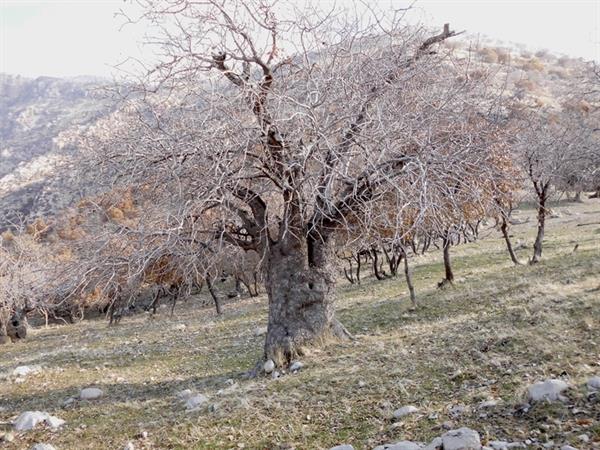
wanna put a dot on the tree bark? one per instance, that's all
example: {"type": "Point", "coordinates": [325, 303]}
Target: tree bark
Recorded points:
{"type": "Point", "coordinates": [537, 246]}
{"type": "Point", "coordinates": [214, 295]}
{"type": "Point", "coordinates": [409, 283]}
{"type": "Point", "coordinates": [300, 282]}
{"type": "Point", "coordinates": [511, 252]}
{"type": "Point", "coordinates": [447, 265]}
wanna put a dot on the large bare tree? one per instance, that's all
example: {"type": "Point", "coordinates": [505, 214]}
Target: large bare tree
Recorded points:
{"type": "Point", "coordinates": [277, 129]}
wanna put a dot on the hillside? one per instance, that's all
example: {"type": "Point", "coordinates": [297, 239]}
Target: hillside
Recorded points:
{"type": "Point", "coordinates": [33, 113]}
{"type": "Point", "coordinates": [465, 358]}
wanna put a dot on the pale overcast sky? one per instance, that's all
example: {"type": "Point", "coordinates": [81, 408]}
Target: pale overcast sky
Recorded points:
{"type": "Point", "coordinates": [82, 37]}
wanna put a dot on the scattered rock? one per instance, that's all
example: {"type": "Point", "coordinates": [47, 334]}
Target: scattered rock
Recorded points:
{"type": "Point", "coordinates": [405, 411]}
{"type": "Point", "coordinates": [593, 384]}
{"type": "Point", "coordinates": [185, 394]}
{"type": "Point", "coordinates": [549, 390]}
{"type": "Point", "coordinates": [584, 438]}
{"type": "Point", "coordinates": [503, 445]}
{"type": "Point", "coordinates": [129, 446]}
{"type": "Point", "coordinates": [296, 366]}
{"type": "Point", "coordinates": [195, 401]}
{"type": "Point", "coordinates": [91, 393]}
{"type": "Point", "coordinates": [179, 327]}
{"type": "Point", "coordinates": [275, 375]}
{"type": "Point", "coordinates": [461, 439]}
{"type": "Point", "coordinates": [260, 331]}
{"type": "Point", "coordinates": [269, 366]}
{"type": "Point", "coordinates": [567, 447]}
{"type": "Point", "coordinates": [401, 445]}
{"type": "Point", "coordinates": [23, 371]}
{"type": "Point", "coordinates": [43, 447]}
{"type": "Point", "coordinates": [7, 437]}
{"type": "Point", "coordinates": [361, 383]}
{"type": "Point", "coordinates": [457, 410]}
{"type": "Point", "coordinates": [30, 419]}
{"type": "Point", "coordinates": [488, 404]}
{"type": "Point", "coordinates": [342, 447]}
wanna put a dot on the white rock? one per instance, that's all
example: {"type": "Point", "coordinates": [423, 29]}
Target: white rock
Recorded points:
{"type": "Point", "coordinates": [91, 393]}
{"type": "Point", "coordinates": [42, 447]}
{"type": "Point", "coordinates": [342, 447]}
{"type": "Point", "coordinates": [436, 444]}
{"type": "Point", "coordinates": [23, 371]}
{"type": "Point", "coordinates": [30, 419]}
{"type": "Point", "coordinates": [260, 331]}
{"type": "Point", "coordinates": [503, 445]}
{"type": "Point", "coordinates": [583, 438]}
{"type": "Point", "coordinates": [488, 404]}
{"type": "Point", "coordinates": [405, 411]}
{"type": "Point", "coordinates": [185, 394]}
{"type": "Point", "coordinates": [129, 446]}
{"type": "Point", "coordinates": [269, 366]}
{"type": "Point", "coordinates": [548, 390]}
{"type": "Point", "coordinates": [461, 439]}
{"type": "Point", "coordinates": [567, 447]}
{"type": "Point", "coordinates": [195, 401]}
{"type": "Point", "coordinates": [179, 327]}
{"type": "Point", "coordinates": [296, 366]}
{"type": "Point", "coordinates": [593, 384]}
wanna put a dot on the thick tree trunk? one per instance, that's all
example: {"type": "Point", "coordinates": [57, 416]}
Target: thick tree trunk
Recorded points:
{"type": "Point", "coordinates": [300, 282]}
{"type": "Point", "coordinates": [511, 252]}
{"type": "Point", "coordinates": [537, 246]}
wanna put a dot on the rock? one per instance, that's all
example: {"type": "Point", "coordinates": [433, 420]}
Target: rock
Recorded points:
{"type": "Point", "coordinates": [185, 394]}
{"type": "Point", "coordinates": [457, 410]}
{"type": "Point", "coordinates": [91, 393]}
{"type": "Point", "coordinates": [405, 411]}
{"type": "Point", "coordinates": [436, 444]}
{"type": "Point", "coordinates": [195, 401]}
{"type": "Point", "coordinates": [361, 383]}
{"type": "Point", "coordinates": [488, 404]}
{"type": "Point", "coordinates": [448, 425]}
{"type": "Point", "coordinates": [567, 447]}
{"type": "Point", "coordinates": [30, 419]}
{"type": "Point", "coordinates": [342, 447]}
{"type": "Point", "coordinates": [129, 446]}
{"type": "Point", "coordinates": [296, 366]}
{"type": "Point", "coordinates": [260, 331]}
{"type": "Point", "coordinates": [593, 384]}
{"type": "Point", "coordinates": [23, 371]}
{"type": "Point", "coordinates": [42, 447]}
{"type": "Point", "coordinates": [548, 390]}
{"type": "Point", "coordinates": [503, 445]}
{"type": "Point", "coordinates": [275, 375]}
{"type": "Point", "coordinates": [584, 438]}
{"type": "Point", "coordinates": [269, 366]}
{"type": "Point", "coordinates": [179, 327]}
{"type": "Point", "coordinates": [461, 439]}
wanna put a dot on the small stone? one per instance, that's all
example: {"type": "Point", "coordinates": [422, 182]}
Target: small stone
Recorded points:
{"type": "Point", "coordinates": [180, 327]}
{"type": "Point", "coordinates": [342, 447]}
{"type": "Point", "coordinates": [436, 444]}
{"type": "Point", "coordinates": [269, 366]}
{"type": "Point", "coordinates": [296, 366]}
{"type": "Point", "coordinates": [185, 394]}
{"type": "Point", "coordinates": [498, 445]}
{"type": "Point", "coordinates": [129, 446]}
{"type": "Point", "coordinates": [488, 404]}
{"type": "Point", "coordinates": [361, 383]}
{"type": "Point", "coordinates": [42, 447]}
{"type": "Point", "coordinates": [91, 393]}
{"type": "Point", "coordinates": [260, 331]}
{"type": "Point", "coordinates": [275, 374]}
{"type": "Point", "coordinates": [30, 419]}
{"type": "Point", "coordinates": [457, 410]}
{"type": "Point", "coordinates": [567, 447]}
{"type": "Point", "coordinates": [403, 445]}
{"type": "Point", "coordinates": [584, 438]}
{"type": "Point", "coordinates": [549, 390]}
{"type": "Point", "coordinates": [593, 384]}
{"type": "Point", "coordinates": [448, 425]}
{"type": "Point", "coordinates": [405, 411]}
{"type": "Point", "coordinates": [195, 401]}
{"type": "Point", "coordinates": [461, 439]}
{"type": "Point", "coordinates": [7, 437]}
{"type": "Point", "coordinates": [23, 371]}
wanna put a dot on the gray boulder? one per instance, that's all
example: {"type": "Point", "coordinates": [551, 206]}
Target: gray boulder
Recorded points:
{"type": "Point", "coordinates": [405, 411]}
{"type": "Point", "coordinates": [91, 393]}
{"type": "Point", "coordinates": [549, 390]}
{"type": "Point", "coordinates": [461, 439]}
{"type": "Point", "coordinates": [30, 419]}
{"type": "Point", "coordinates": [593, 384]}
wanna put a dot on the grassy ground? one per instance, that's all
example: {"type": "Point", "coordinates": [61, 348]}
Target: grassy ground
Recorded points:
{"type": "Point", "coordinates": [498, 330]}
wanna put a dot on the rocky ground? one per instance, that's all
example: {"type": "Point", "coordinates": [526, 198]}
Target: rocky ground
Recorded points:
{"type": "Point", "coordinates": [508, 358]}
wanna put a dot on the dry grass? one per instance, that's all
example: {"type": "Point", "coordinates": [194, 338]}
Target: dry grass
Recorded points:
{"type": "Point", "coordinates": [499, 329]}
